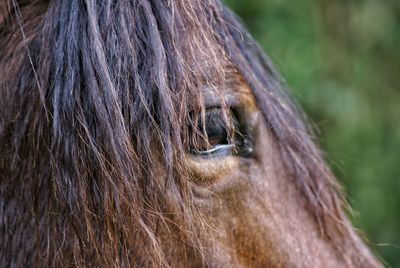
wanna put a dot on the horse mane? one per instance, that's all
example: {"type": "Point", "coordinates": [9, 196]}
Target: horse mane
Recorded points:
{"type": "Point", "coordinates": [89, 89]}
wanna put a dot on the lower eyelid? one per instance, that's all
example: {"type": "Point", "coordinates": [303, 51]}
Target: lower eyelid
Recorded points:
{"type": "Point", "coordinates": [216, 150]}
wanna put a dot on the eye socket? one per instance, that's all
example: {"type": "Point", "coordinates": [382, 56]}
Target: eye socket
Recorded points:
{"type": "Point", "coordinates": [215, 137]}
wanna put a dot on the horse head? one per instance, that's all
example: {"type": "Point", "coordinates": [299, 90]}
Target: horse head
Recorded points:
{"type": "Point", "coordinates": [156, 133]}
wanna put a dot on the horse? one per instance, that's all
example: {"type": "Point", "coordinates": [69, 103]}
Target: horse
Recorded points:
{"type": "Point", "coordinates": [156, 133]}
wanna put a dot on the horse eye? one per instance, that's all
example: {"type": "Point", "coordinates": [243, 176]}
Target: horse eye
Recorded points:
{"type": "Point", "coordinates": [214, 139]}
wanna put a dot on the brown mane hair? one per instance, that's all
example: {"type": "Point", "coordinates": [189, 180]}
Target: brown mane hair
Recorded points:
{"type": "Point", "coordinates": [94, 95]}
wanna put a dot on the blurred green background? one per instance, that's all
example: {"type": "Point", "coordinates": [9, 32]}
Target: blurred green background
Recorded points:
{"type": "Point", "coordinates": [341, 59]}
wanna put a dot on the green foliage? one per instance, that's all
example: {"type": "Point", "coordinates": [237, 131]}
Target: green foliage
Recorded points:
{"type": "Point", "coordinates": [342, 61]}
